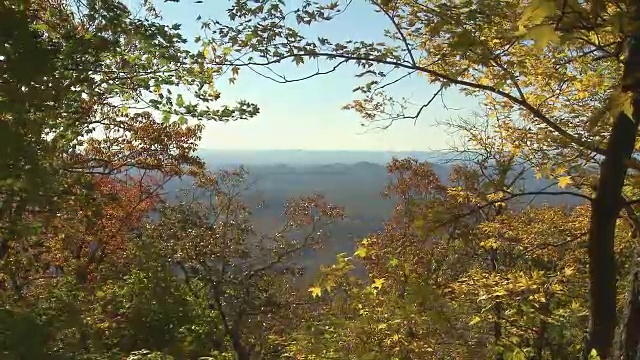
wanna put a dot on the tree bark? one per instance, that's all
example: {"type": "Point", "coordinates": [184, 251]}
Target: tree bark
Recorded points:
{"type": "Point", "coordinates": [607, 205]}
{"type": "Point", "coordinates": [604, 213]}
{"type": "Point", "coordinates": [631, 324]}
{"type": "Point", "coordinates": [628, 343]}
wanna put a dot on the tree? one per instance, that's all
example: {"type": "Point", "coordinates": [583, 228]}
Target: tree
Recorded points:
{"type": "Point", "coordinates": [459, 271]}
{"type": "Point", "coordinates": [554, 72]}
{"type": "Point", "coordinates": [84, 88]}
{"type": "Point", "coordinates": [247, 278]}
{"type": "Point", "coordinates": [100, 105]}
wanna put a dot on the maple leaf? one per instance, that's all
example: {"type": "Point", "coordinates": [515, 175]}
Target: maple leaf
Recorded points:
{"type": "Point", "coordinates": [475, 320]}
{"type": "Point", "coordinates": [563, 181]}
{"type": "Point", "coordinates": [377, 283]}
{"type": "Point", "coordinates": [360, 252]}
{"type": "Point", "coordinates": [536, 11]}
{"type": "Point", "coordinates": [542, 35]}
{"type": "Point", "coordinates": [315, 291]}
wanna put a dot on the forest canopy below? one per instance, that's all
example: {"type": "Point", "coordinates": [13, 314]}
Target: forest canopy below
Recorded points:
{"type": "Point", "coordinates": [103, 104]}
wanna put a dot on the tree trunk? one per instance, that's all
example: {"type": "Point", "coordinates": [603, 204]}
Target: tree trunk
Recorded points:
{"type": "Point", "coordinates": [238, 346]}
{"type": "Point", "coordinates": [605, 209]}
{"type": "Point", "coordinates": [540, 343]}
{"type": "Point", "coordinates": [629, 334]}
{"type": "Point", "coordinates": [630, 339]}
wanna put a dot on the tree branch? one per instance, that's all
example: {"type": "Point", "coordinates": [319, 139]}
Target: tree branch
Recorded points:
{"type": "Point", "coordinates": [444, 77]}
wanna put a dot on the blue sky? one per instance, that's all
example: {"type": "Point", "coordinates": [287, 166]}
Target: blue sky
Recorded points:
{"type": "Point", "coordinates": [307, 115]}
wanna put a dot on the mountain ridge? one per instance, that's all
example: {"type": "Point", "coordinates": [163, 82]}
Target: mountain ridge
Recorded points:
{"type": "Point", "coordinates": [227, 157]}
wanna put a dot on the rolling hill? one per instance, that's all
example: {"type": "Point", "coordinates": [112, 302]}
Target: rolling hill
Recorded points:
{"type": "Point", "coordinates": [343, 177]}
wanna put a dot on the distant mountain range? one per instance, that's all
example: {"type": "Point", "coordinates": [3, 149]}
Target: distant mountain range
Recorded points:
{"type": "Point", "coordinates": [313, 157]}
{"type": "Point", "coordinates": [341, 175]}
{"type": "Point", "coordinates": [353, 179]}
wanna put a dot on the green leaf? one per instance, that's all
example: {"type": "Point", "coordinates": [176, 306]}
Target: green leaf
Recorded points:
{"type": "Point", "coordinates": [41, 27]}
{"type": "Point", "coordinates": [180, 100]}
{"type": "Point", "coordinates": [166, 117]}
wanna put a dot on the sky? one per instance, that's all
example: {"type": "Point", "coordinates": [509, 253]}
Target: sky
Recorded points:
{"type": "Point", "coordinates": [307, 115]}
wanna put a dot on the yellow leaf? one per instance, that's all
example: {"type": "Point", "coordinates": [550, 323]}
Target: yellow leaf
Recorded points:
{"type": "Point", "coordinates": [361, 252]}
{"type": "Point", "coordinates": [489, 244]}
{"type": "Point", "coordinates": [563, 181]}
{"type": "Point", "coordinates": [377, 283]}
{"type": "Point", "coordinates": [536, 11]}
{"type": "Point", "coordinates": [315, 291]}
{"type": "Point", "coordinates": [542, 35]}
{"type": "Point", "coordinates": [538, 175]}
{"type": "Point", "coordinates": [543, 172]}
{"type": "Point", "coordinates": [560, 170]}
{"type": "Point", "coordinates": [568, 271]}
{"type": "Point", "coordinates": [495, 196]}
{"type": "Point", "coordinates": [500, 292]}
{"type": "Point", "coordinates": [621, 102]}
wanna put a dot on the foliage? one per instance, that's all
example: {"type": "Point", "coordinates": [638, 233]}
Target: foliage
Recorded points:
{"type": "Point", "coordinates": [509, 283]}
{"type": "Point", "coordinates": [102, 106]}
{"type": "Point", "coordinates": [92, 130]}
{"type": "Point", "coordinates": [247, 278]}
{"type": "Point", "coordinates": [558, 77]}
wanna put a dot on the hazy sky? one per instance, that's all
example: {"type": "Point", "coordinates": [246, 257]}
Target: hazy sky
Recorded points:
{"type": "Point", "coordinates": [307, 115]}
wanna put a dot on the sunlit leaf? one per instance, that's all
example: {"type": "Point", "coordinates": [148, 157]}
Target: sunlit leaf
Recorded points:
{"type": "Point", "coordinates": [542, 35]}
{"type": "Point", "coordinates": [315, 291]}
{"type": "Point", "coordinates": [563, 181]}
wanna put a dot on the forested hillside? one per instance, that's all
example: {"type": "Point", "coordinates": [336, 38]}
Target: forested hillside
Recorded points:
{"type": "Point", "coordinates": [120, 239]}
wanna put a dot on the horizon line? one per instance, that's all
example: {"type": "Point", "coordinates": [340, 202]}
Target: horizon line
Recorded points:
{"type": "Point", "coordinates": [322, 150]}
